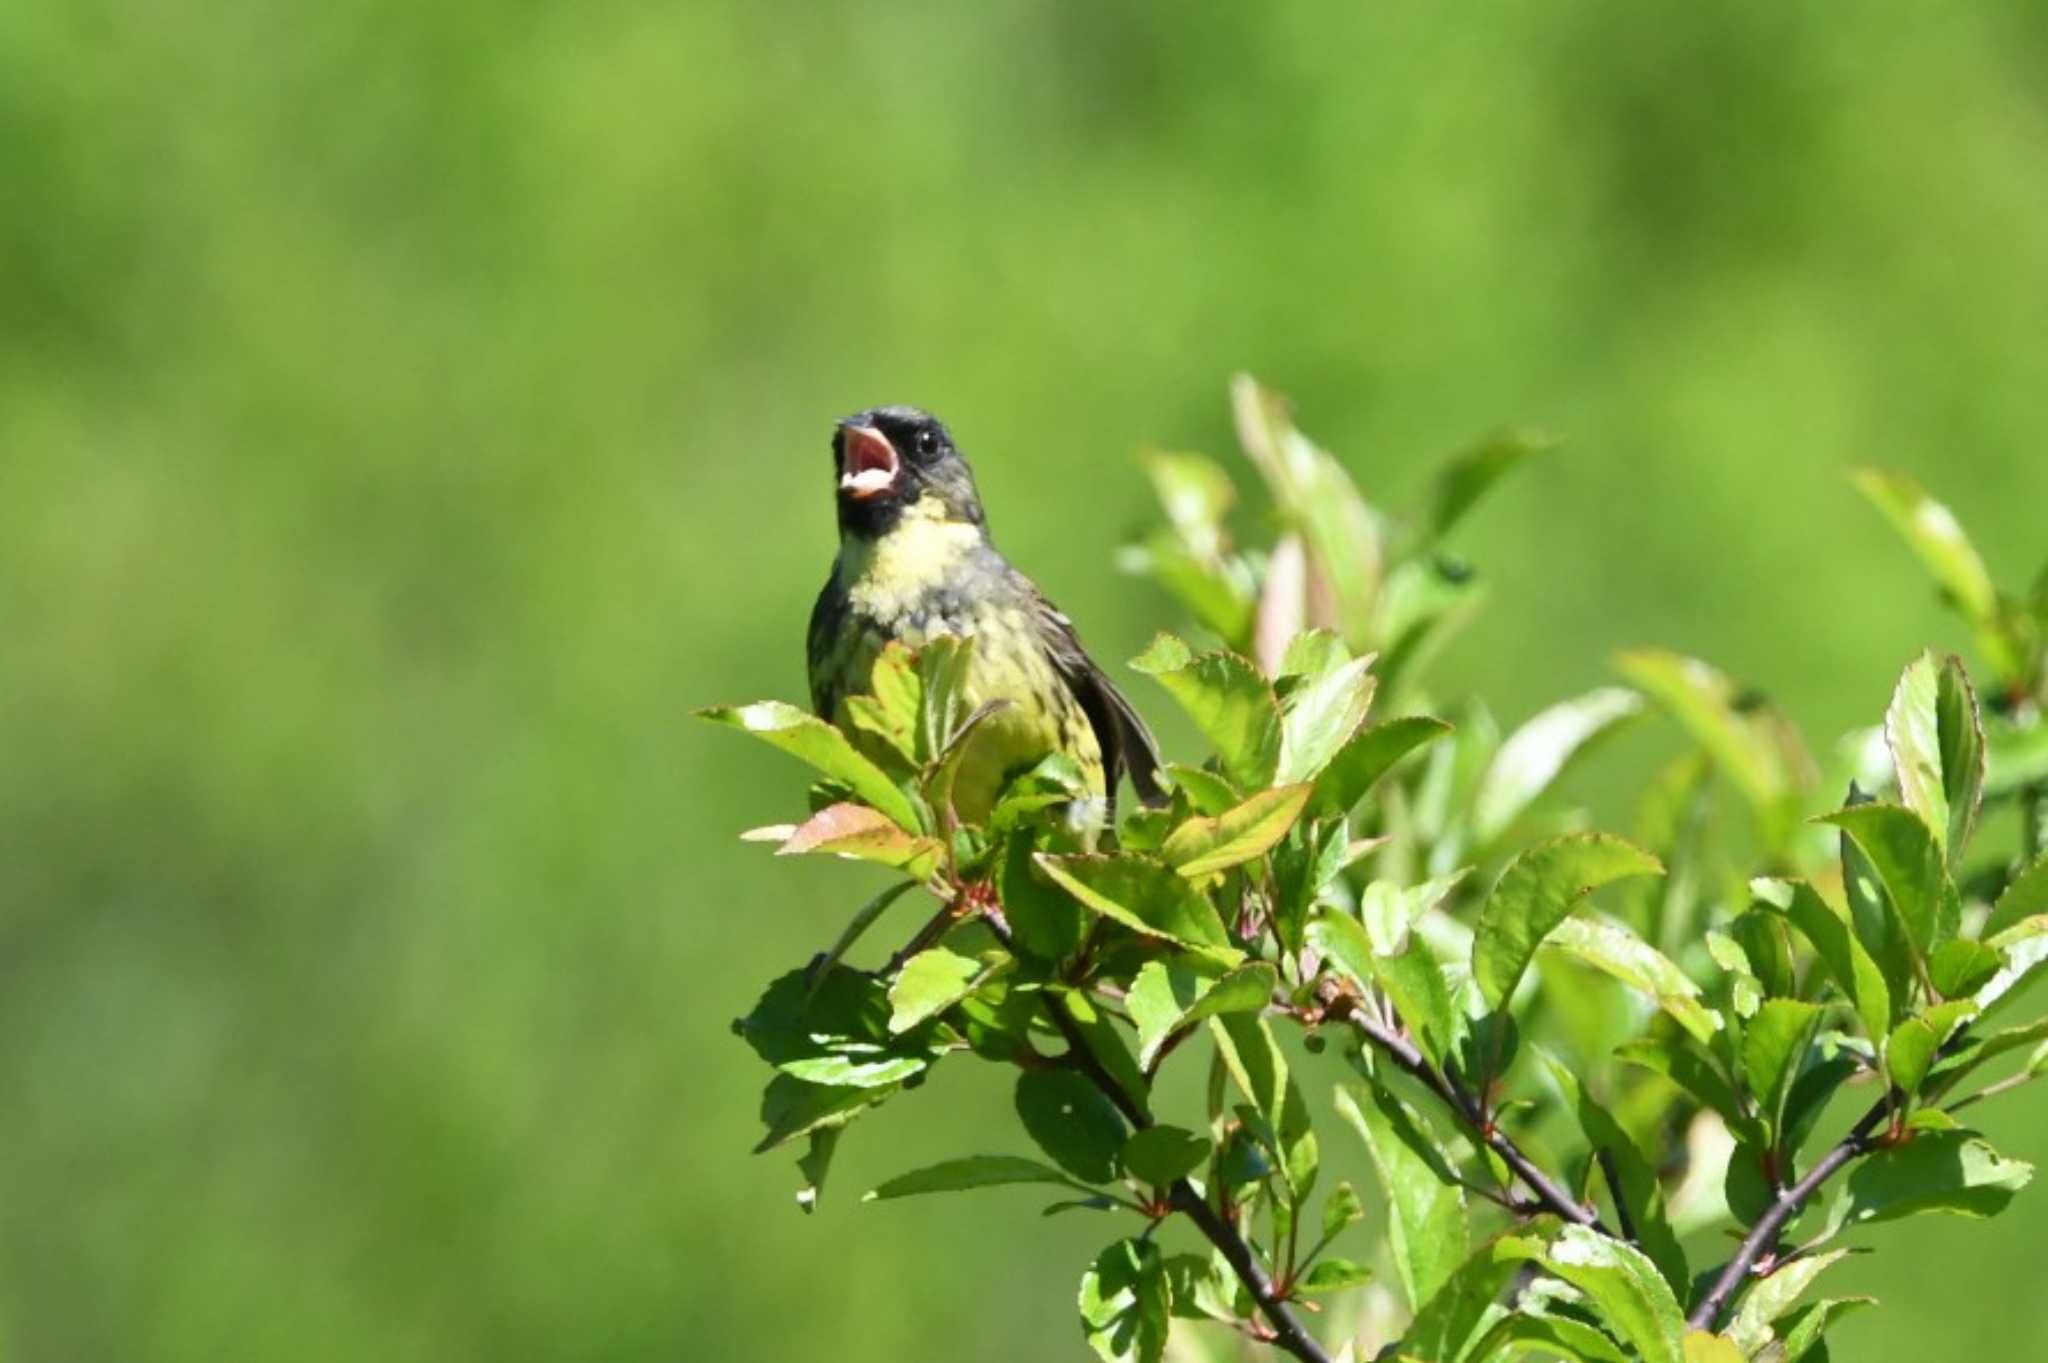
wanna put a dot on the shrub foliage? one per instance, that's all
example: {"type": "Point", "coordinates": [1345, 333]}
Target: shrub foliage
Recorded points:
{"type": "Point", "coordinates": [1584, 1066]}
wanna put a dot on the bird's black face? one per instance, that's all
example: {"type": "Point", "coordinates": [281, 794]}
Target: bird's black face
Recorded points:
{"type": "Point", "coordinates": [888, 460]}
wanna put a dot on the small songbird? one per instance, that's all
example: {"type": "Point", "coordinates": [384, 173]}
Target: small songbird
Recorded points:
{"type": "Point", "coordinates": [915, 563]}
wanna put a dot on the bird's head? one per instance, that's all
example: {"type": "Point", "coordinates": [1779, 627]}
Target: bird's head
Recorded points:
{"type": "Point", "coordinates": [893, 462]}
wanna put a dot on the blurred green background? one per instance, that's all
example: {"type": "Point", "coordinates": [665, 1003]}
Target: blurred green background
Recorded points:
{"type": "Point", "coordinates": [409, 411]}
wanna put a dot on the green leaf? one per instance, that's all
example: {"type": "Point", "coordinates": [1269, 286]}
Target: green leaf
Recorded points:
{"type": "Point", "coordinates": [1370, 754]}
{"type": "Point", "coordinates": [1908, 861]}
{"type": "Point", "coordinates": [1466, 477]}
{"type": "Point", "coordinates": [1144, 896]}
{"type": "Point", "coordinates": [1445, 1327]}
{"type": "Point", "coordinates": [1610, 946]}
{"type": "Point", "coordinates": [1774, 1045]}
{"type": "Point", "coordinates": [1703, 1346]}
{"type": "Point", "coordinates": [1536, 892]}
{"type": "Point", "coordinates": [929, 983]}
{"type": "Point", "coordinates": [1171, 995]}
{"type": "Point", "coordinates": [863, 834]}
{"type": "Point", "coordinates": [1953, 1172]}
{"type": "Point", "coordinates": [1876, 924]}
{"type": "Point", "coordinates": [2024, 946]}
{"type": "Point", "coordinates": [812, 740]}
{"type": "Point", "coordinates": [1937, 540]}
{"type": "Point", "coordinates": [1937, 744]}
{"type": "Point", "coordinates": [1333, 1275]}
{"type": "Point", "coordinates": [1427, 1227]}
{"type": "Point", "coordinates": [1320, 717]}
{"type": "Point", "coordinates": [1206, 791]}
{"type": "Point", "coordinates": [834, 1030]}
{"type": "Point", "coordinates": [1624, 1290]}
{"type": "Point", "coordinates": [1105, 1041]}
{"type": "Point", "coordinates": [959, 1175]}
{"type": "Point", "coordinates": [1125, 1303]}
{"type": "Point", "coordinates": [1804, 1328]}
{"type": "Point", "coordinates": [1161, 1154]}
{"type": "Point", "coordinates": [1961, 967]}
{"type": "Point", "coordinates": [1313, 655]}
{"type": "Point", "coordinates": [792, 1107]}
{"type": "Point", "coordinates": [1536, 754]}
{"type": "Point", "coordinates": [1315, 498]}
{"type": "Point", "coordinates": [1545, 1336]}
{"type": "Point", "coordinates": [1203, 846]}
{"type": "Point", "coordinates": [1044, 918]}
{"type": "Point", "coordinates": [814, 1164]}
{"type": "Point", "coordinates": [1411, 977]}
{"type": "Point", "coordinates": [1229, 702]}
{"type": "Point", "coordinates": [1072, 1121]}
{"type": "Point", "coordinates": [1682, 1063]}
{"type": "Point", "coordinates": [1342, 1208]}
{"type": "Point", "coordinates": [1256, 1064]}
{"type": "Point", "coordinates": [2015, 757]}
{"type": "Point", "coordinates": [1641, 1190]}
{"type": "Point", "coordinates": [1751, 742]}
{"type": "Point", "coordinates": [2025, 897]}
{"type": "Point", "coordinates": [1765, 1302]}
{"type": "Point", "coordinates": [1840, 953]}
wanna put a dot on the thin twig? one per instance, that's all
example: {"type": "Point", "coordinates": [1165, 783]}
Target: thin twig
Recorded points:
{"type": "Point", "coordinates": [1763, 1237]}
{"type": "Point", "coordinates": [1340, 1002]}
{"type": "Point", "coordinates": [1612, 1173]}
{"type": "Point", "coordinates": [1287, 1332]}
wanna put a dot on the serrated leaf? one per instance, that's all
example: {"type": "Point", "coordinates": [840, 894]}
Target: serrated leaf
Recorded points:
{"type": "Point", "coordinates": [1535, 755]}
{"type": "Point", "coordinates": [812, 740]}
{"type": "Point", "coordinates": [1953, 1172]}
{"type": "Point", "coordinates": [1168, 996]}
{"type": "Point", "coordinates": [1844, 957]}
{"type": "Point", "coordinates": [1908, 861]}
{"type": "Point", "coordinates": [1257, 1065]}
{"type": "Point", "coordinates": [1682, 1063]}
{"type": "Point", "coordinates": [1447, 1326]}
{"type": "Point", "coordinates": [1516, 1335]}
{"type": "Point", "coordinates": [1411, 977]}
{"type": "Point", "coordinates": [1105, 1041]}
{"type": "Point", "coordinates": [1369, 755]}
{"type": "Point", "coordinates": [1203, 846]}
{"type": "Point", "coordinates": [1206, 791]}
{"type": "Point", "coordinates": [1937, 744]}
{"type": "Point", "coordinates": [1161, 1154]}
{"type": "Point", "coordinates": [1427, 1228]}
{"type": "Point", "coordinates": [1229, 702]}
{"type": "Point", "coordinates": [1536, 892]}
{"type": "Point", "coordinates": [1774, 1044]}
{"type": "Point", "coordinates": [1773, 1297]}
{"type": "Point", "coordinates": [833, 1030]}
{"type": "Point", "coordinates": [1610, 946]}
{"type": "Point", "coordinates": [1071, 1121]}
{"type": "Point", "coordinates": [2024, 946]}
{"type": "Point", "coordinates": [1624, 1290]}
{"type": "Point", "coordinates": [1960, 968]}
{"type": "Point", "coordinates": [1125, 1302]}
{"type": "Point", "coordinates": [1320, 716]}
{"type": "Point", "coordinates": [792, 1107]}
{"type": "Point", "coordinates": [959, 1175]}
{"type": "Point", "coordinates": [1144, 896]}
{"type": "Point", "coordinates": [929, 983]}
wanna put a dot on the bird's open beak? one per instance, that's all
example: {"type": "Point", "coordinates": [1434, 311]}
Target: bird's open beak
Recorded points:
{"type": "Point", "coordinates": [867, 462]}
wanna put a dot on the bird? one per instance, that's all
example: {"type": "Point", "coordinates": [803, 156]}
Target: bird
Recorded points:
{"type": "Point", "coordinates": [916, 563]}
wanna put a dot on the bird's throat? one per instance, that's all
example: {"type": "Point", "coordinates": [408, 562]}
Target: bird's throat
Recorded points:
{"type": "Point", "coordinates": [926, 553]}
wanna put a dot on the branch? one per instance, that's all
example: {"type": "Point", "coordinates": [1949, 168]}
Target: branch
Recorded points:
{"type": "Point", "coordinates": [1287, 1332]}
{"type": "Point", "coordinates": [1763, 1236]}
{"type": "Point", "coordinates": [1339, 1002]}
{"type": "Point", "coordinates": [1612, 1174]}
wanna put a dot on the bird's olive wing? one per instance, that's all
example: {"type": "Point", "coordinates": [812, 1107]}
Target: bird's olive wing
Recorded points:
{"type": "Point", "coordinates": [1126, 743]}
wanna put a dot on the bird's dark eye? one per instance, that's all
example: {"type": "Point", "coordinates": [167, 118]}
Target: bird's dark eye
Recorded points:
{"type": "Point", "coordinates": [927, 441]}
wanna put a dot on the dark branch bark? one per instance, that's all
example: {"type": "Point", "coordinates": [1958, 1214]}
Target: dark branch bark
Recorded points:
{"type": "Point", "coordinates": [1763, 1237]}
{"type": "Point", "coordinates": [1610, 1172]}
{"type": "Point", "coordinates": [1287, 1332]}
{"type": "Point", "coordinates": [1340, 1003]}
